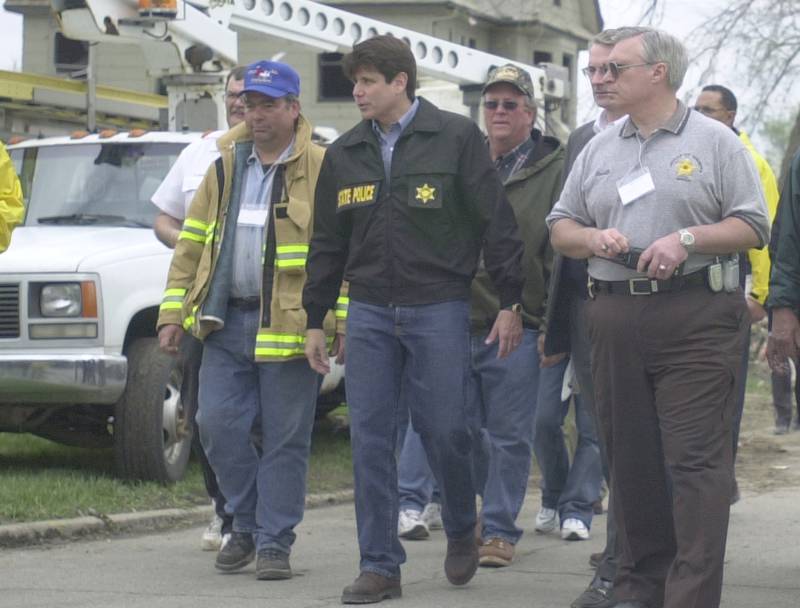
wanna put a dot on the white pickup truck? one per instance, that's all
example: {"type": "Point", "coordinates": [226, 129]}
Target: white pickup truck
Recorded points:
{"type": "Point", "coordinates": [80, 287]}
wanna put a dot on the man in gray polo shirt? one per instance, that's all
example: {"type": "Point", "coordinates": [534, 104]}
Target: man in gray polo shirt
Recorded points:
{"type": "Point", "coordinates": [665, 345]}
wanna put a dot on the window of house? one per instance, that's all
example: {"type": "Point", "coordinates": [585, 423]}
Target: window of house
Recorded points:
{"type": "Point", "coordinates": [542, 57]}
{"type": "Point", "coordinates": [70, 56]}
{"type": "Point", "coordinates": [333, 86]}
{"type": "Point", "coordinates": [566, 61]}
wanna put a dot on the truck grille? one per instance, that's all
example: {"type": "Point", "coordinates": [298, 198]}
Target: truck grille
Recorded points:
{"type": "Point", "coordinates": [9, 310]}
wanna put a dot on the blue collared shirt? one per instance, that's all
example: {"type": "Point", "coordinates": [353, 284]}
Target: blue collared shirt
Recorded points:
{"type": "Point", "coordinates": [254, 209]}
{"type": "Point", "coordinates": [388, 140]}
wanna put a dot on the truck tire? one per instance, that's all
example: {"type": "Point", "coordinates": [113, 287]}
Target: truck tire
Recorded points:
{"type": "Point", "coordinates": [152, 432]}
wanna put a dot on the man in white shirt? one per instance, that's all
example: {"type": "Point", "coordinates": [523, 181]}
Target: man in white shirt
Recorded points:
{"type": "Point", "coordinates": [173, 198]}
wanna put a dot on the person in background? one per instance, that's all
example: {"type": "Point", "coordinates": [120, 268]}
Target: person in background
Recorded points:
{"type": "Point", "coordinates": [173, 198]}
{"type": "Point", "coordinates": [719, 103]}
{"type": "Point", "coordinates": [12, 208]}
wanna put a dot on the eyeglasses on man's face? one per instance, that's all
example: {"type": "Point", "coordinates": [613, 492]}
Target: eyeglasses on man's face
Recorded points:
{"type": "Point", "coordinates": [612, 68]}
{"type": "Point", "coordinates": [507, 104]}
{"type": "Point", "coordinates": [709, 111]}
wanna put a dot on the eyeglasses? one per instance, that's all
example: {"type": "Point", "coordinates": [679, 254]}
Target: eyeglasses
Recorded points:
{"type": "Point", "coordinates": [508, 105]}
{"type": "Point", "coordinates": [615, 68]}
{"type": "Point", "coordinates": [708, 111]}
{"type": "Point", "coordinates": [590, 71]}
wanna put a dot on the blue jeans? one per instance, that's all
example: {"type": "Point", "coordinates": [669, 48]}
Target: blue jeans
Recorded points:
{"type": "Point", "coordinates": [505, 391]}
{"type": "Point", "coordinates": [569, 489]}
{"type": "Point", "coordinates": [423, 353]}
{"type": "Point", "coordinates": [266, 494]}
{"type": "Point", "coordinates": [415, 480]}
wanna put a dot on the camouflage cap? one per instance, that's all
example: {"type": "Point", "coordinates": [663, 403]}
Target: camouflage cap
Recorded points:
{"type": "Point", "coordinates": [512, 75]}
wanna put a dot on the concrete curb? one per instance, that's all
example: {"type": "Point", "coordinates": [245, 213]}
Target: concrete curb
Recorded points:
{"type": "Point", "coordinates": [101, 524]}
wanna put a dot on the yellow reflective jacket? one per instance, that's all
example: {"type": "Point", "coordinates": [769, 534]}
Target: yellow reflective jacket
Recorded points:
{"type": "Point", "coordinates": [759, 258]}
{"type": "Point", "coordinates": [11, 207]}
{"type": "Point", "coordinates": [198, 248]}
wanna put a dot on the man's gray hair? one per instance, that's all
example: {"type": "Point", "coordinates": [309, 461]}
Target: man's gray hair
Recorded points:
{"type": "Point", "coordinates": [607, 37]}
{"type": "Point", "coordinates": [660, 47]}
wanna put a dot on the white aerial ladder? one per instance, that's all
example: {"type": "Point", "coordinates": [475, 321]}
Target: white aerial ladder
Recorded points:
{"type": "Point", "coordinates": [194, 45]}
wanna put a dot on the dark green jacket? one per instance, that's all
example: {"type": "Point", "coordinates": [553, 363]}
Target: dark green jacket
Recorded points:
{"type": "Point", "coordinates": [784, 281]}
{"type": "Point", "coordinates": [532, 192]}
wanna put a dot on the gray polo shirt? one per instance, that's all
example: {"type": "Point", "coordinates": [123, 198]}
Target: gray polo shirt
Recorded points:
{"type": "Point", "coordinates": [702, 174]}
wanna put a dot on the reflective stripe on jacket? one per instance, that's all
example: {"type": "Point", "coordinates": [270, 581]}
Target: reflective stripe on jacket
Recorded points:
{"type": "Point", "coordinates": [282, 333]}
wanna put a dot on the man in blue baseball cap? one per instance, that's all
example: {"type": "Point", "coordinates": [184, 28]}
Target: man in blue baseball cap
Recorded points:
{"type": "Point", "coordinates": [235, 282]}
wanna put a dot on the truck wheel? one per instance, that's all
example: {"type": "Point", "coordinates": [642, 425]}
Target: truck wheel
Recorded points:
{"type": "Point", "coordinates": [152, 432]}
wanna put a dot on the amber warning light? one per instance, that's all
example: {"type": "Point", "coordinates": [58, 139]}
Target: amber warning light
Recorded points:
{"type": "Point", "coordinates": [165, 9]}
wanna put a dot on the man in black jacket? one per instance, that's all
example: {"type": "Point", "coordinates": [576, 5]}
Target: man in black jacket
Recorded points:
{"type": "Point", "coordinates": [405, 203]}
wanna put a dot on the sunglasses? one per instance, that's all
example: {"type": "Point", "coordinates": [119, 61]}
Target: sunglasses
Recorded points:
{"type": "Point", "coordinates": [508, 105]}
{"type": "Point", "coordinates": [612, 68]}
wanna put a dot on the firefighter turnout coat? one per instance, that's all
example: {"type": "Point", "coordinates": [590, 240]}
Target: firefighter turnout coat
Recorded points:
{"type": "Point", "coordinates": [199, 280]}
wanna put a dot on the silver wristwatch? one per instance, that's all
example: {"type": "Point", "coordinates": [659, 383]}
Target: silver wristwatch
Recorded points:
{"type": "Point", "coordinates": [686, 239]}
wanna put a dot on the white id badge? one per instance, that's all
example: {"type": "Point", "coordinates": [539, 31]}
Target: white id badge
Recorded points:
{"type": "Point", "coordinates": [252, 217]}
{"type": "Point", "coordinates": [635, 185]}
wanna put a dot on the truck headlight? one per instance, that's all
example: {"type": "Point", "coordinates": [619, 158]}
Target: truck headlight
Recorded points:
{"type": "Point", "coordinates": [61, 300]}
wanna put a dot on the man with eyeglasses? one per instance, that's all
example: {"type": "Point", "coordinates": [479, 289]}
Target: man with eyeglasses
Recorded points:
{"type": "Point", "coordinates": [235, 282]}
{"type": "Point", "coordinates": [653, 204]}
{"type": "Point", "coordinates": [567, 330]}
{"type": "Point", "coordinates": [173, 198]}
{"type": "Point", "coordinates": [719, 103]}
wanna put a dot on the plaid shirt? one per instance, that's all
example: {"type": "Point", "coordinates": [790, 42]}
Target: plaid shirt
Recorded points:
{"type": "Point", "coordinates": [510, 163]}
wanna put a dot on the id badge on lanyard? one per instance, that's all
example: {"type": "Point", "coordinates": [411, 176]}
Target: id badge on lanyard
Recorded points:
{"type": "Point", "coordinates": [635, 185]}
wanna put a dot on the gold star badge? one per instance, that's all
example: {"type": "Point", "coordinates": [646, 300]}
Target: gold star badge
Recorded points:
{"type": "Point", "coordinates": [425, 193]}
{"type": "Point", "coordinates": [685, 168]}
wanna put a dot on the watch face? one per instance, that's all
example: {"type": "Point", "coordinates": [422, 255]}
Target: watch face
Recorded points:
{"type": "Point", "coordinates": [687, 238]}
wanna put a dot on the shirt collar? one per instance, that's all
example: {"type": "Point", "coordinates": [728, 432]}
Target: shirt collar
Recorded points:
{"type": "Point", "coordinates": [254, 159]}
{"type": "Point", "coordinates": [674, 124]}
{"type": "Point", "coordinates": [601, 123]}
{"type": "Point", "coordinates": [402, 122]}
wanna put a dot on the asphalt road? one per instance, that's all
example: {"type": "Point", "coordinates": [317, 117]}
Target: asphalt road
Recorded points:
{"type": "Point", "coordinates": [167, 569]}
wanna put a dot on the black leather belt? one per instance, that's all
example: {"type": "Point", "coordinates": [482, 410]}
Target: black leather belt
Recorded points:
{"type": "Point", "coordinates": [645, 286]}
{"type": "Point", "coordinates": [251, 303]}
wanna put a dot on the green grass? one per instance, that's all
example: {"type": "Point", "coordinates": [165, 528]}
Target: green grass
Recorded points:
{"type": "Point", "coordinates": [41, 480]}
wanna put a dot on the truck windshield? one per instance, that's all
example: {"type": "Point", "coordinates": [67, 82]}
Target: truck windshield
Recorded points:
{"type": "Point", "coordinates": [98, 184]}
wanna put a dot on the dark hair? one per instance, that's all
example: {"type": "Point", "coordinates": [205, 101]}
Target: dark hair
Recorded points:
{"type": "Point", "coordinates": [386, 54]}
{"type": "Point", "coordinates": [236, 73]}
{"type": "Point", "coordinates": [726, 96]}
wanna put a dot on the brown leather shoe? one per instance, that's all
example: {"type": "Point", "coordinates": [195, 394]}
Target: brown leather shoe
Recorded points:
{"type": "Point", "coordinates": [370, 588]}
{"type": "Point", "coordinates": [461, 561]}
{"type": "Point", "coordinates": [496, 553]}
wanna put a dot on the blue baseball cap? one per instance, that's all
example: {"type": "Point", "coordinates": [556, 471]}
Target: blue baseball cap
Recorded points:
{"type": "Point", "coordinates": [271, 78]}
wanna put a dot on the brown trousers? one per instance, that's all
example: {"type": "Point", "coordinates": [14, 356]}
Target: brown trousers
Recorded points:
{"type": "Point", "coordinates": [666, 370]}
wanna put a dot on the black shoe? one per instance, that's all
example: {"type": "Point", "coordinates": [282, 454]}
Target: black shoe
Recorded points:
{"type": "Point", "coordinates": [370, 588]}
{"type": "Point", "coordinates": [236, 553]}
{"type": "Point", "coordinates": [597, 595]}
{"type": "Point", "coordinates": [272, 565]}
{"type": "Point", "coordinates": [461, 561]}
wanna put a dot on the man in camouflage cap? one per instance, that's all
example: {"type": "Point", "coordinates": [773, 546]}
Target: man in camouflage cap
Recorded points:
{"type": "Point", "coordinates": [505, 390]}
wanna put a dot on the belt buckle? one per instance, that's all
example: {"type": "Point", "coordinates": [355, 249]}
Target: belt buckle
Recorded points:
{"type": "Point", "coordinates": [652, 287]}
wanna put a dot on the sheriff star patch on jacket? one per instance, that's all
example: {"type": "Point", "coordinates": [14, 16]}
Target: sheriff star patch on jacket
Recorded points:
{"type": "Point", "coordinates": [357, 195]}
{"type": "Point", "coordinates": [427, 193]}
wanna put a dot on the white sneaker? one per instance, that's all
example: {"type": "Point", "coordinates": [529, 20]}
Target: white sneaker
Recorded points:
{"type": "Point", "coordinates": [432, 516]}
{"type": "Point", "coordinates": [212, 535]}
{"type": "Point", "coordinates": [574, 529]}
{"type": "Point", "coordinates": [410, 525]}
{"type": "Point", "coordinates": [546, 520]}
